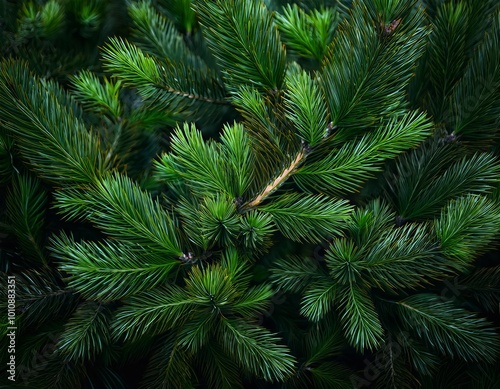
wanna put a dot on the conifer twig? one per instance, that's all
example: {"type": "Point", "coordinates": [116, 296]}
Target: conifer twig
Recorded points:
{"type": "Point", "coordinates": [192, 96]}
{"type": "Point", "coordinates": [278, 181]}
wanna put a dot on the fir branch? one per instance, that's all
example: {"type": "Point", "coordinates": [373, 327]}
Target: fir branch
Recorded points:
{"type": "Point", "coordinates": [432, 175]}
{"type": "Point", "coordinates": [220, 372]}
{"type": "Point", "coordinates": [447, 52]}
{"type": "Point", "coordinates": [152, 312]}
{"type": "Point", "coordinates": [168, 366]}
{"type": "Point", "coordinates": [367, 224]}
{"type": "Point", "coordinates": [109, 271]}
{"type": "Point", "coordinates": [257, 350]}
{"type": "Point", "coordinates": [199, 163]}
{"type": "Point", "coordinates": [25, 209]}
{"type": "Point", "coordinates": [49, 131]}
{"type": "Point", "coordinates": [219, 221]}
{"type": "Point", "coordinates": [157, 35]}
{"type": "Point", "coordinates": [360, 321]}
{"type": "Point", "coordinates": [450, 330]}
{"type": "Point", "coordinates": [173, 86]}
{"type": "Point", "coordinates": [181, 11]}
{"type": "Point", "coordinates": [306, 106]}
{"type": "Point", "coordinates": [130, 63]}
{"type": "Point", "coordinates": [7, 167]}
{"type": "Point", "coordinates": [318, 299]}
{"type": "Point", "coordinates": [403, 257]}
{"type": "Point", "coordinates": [268, 143]}
{"type": "Point", "coordinates": [467, 227]}
{"type": "Point", "coordinates": [293, 274]}
{"type": "Point", "coordinates": [483, 285]}
{"type": "Point", "coordinates": [236, 150]}
{"type": "Point", "coordinates": [41, 299]}
{"type": "Point", "coordinates": [198, 85]}
{"type": "Point", "coordinates": [121, 209]}
{"type": "Point", "coordinates": [307, 217]}
{"type": "Point", "coordinates": [245, 42]}
{"type": "Point", "coordinates": [102, 99]}
{"type": "Point", "coordinates": [358, 60]}
{"type": "Point", "coordinates": [344, 169]}
{"type": "Point", "coordinates": [308, 34]}
{"type": "Point", "coordinates": [257, 229]}
{"type": "Point", "coordinates": [324, 340]}
{"type": "Point", "coordinates": [474, 102]}
{"type": "Point", "coordinates": [86, 333]}
{"type": "Point", "coordinates": [422, 359]}
{"type": "Point", "coordinates": [330, 375]}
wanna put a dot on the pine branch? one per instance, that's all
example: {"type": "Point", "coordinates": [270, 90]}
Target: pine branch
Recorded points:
{"type": "Point", "coordinates": [60, 374]}
{"type": "Point", "coordinates": [41, 299]}
{"type": "Point", "coordinates": [121, 209]}
{"type": "Point", "coordinates": [236, 149]}
{"type": "Point", "coordinates": [308, 34]}
{"type": "Point", "coordinates": [245, 42]}
{"type": "Point", "coordinates": [37, 343]}
{"type": "Point", "coordinates": [218, 370]}
{"type": "Point", "coordinates": [263, 126]}
{"type": "Point", "coordinates": [256, 229]}
{"type": "Point", "coordinates": [254, 301]}
{"type": "Point", "coordinates": [395, 372]}
{"type": "Point", "coordinates": [404, 257]}
{"type": "Point", "coordinates": [306, 106]}
{"type": "Point", "coordinates": [174, 86]}
{"type": "Point", "coordinates": [359, 58]}
{"type": "Point", "coordinates": [483, 285]}
{"type": "Point", "coordinates": [101, 99]}
{"type": "Point", "coordinates": [323, 341]}
{"type": "Point", "coordinates": [212, 292]}
{"type": "Point", "coordinates": [293, 274]}
{"type": "Point", "coordinates": [256, 349]}
{"type": "Point", "coordinates": [195, 160]}
{"type": "Point", "coordinates": [360, 321]}
{"type": "Point", "coordinates": [207, 167]}
{"type": "Point", "coordinates": [367, 224]}
{"type": "Point", "coordinates": [474, 106]}
{"type": "Point", "coordinates": [25, 210]}
{"type": "Point", "coordinates": [181, 11]}
{"type": "Point", "coordinates": [432, 175]}
{"type": "Point", "coordinates": [152, 312]}
{"type": "Point", "coordinates": [219, 221]}
{"type": "Point", "coordinates": [452, 331]}
{"type": "Point", "coordinates": [330, 375]}
{"type": "Point", "coordinates": [318, 299]}
{"type": "Point", "coordinates": [307, 217]}
{"type": "Point", "coordinates": [7, 167]}
{"type": "Point", "coordinates": [423, 361]}
{"type": "Point", "coordinates": [447, 52]}
{"type": "Point", "coordinates": [86, 333]}
{"type": "Point", "coordinates": [49, 131]}
{"type": "Point", "coordinates": [109, 271]}
{"type": "Point", "coordinates": [157, 35]}
{"type": "Point", "coordinates": [344, 169]}
{"type": "Point", "coordinates": [467, 227]}
{"type": "Point", "coordinates": [168, 366]}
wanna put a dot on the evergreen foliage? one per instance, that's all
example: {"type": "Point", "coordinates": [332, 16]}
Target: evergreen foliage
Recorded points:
{"type": "Point", "coordinates": [243, 193]}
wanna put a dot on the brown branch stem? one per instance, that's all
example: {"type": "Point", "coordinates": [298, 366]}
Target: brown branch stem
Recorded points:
{"type": "Point", "coordinates": [278, 180]}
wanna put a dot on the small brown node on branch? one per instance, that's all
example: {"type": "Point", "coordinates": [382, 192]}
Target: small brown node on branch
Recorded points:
{"type": "Point", "coordinates": [329, 130]}
{"type": "Point", "coordinates": [389, 29]}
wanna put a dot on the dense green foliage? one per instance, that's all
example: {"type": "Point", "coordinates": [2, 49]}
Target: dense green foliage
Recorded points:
{"type": "Point", "coordinates": [244, 193]}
